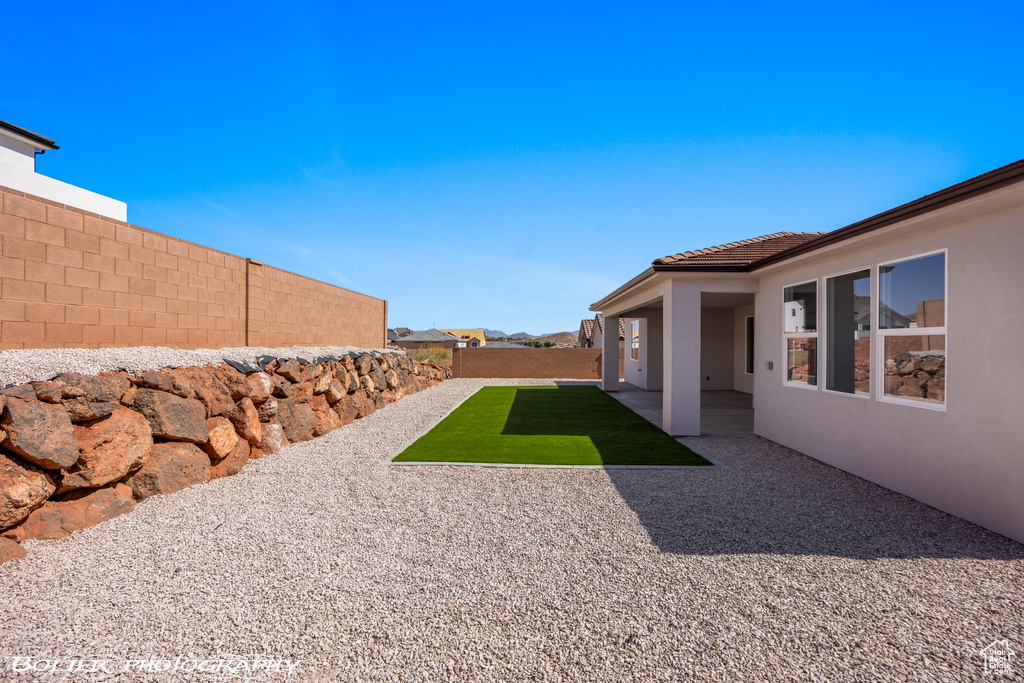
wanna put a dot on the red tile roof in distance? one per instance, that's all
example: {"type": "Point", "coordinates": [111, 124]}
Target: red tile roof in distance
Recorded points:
{"type": "Point", "coordinates": [740, 253]}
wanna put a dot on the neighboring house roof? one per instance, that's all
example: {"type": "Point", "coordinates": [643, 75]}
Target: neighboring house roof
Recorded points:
{"type": "Point", "coordinates": [403, 331]}
{"type": "Point", "coordinates": [586, 329]}
{"type": "Point", "coordinates": [393, 336]}
{"type": "Point", "coordinates": [469, 334]}
{"type": "Point", "coordinates": [35, 138]}
{"type": "Point", "coordinates": [739, 253]}
{"type": "Point", "coordinates": [428, 336]}
{"type": "Point", "coordinates": [599, 320]}
{"type": "Point", "coordinates": [505, 345]}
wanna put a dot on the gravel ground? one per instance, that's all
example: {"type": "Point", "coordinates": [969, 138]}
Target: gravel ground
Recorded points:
{"type": "Point", "coordinates": [777, 567]}
{"type": "Point", "coordinates": [19, 366]}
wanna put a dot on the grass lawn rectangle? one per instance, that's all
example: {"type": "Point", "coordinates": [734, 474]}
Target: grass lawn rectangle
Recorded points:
{"type": "Point", "coordinates": [572, 425]}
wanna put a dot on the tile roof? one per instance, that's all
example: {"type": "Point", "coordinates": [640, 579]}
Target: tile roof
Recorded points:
{"type": "Point", "coordinates": [432, 335]}
{"type": "Point", "coordinates": [740, 253]}
{"type": "Point", "coordinates": [599, 319]}
{"type": "Point", "coordinates": [587, 326]}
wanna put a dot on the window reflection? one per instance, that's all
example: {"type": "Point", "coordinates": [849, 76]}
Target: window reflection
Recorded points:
{"type": "Point", "coordinates": [912, 293]}
{"type": "Point", "coordinates": [801, 308]}
{"type": "Point", "coordinates": [915, 367]}
{"type": "Point", "coordinates": [802, 360]}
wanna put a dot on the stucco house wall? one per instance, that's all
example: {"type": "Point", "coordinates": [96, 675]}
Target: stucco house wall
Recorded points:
{"type": "Point", "coordinates": [967, 459]}
{"type": "Point", "coordinates": [741, 381]}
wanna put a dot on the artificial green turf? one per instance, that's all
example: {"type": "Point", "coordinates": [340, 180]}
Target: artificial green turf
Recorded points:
{"type": "Point", "coordinates": [572, 425]}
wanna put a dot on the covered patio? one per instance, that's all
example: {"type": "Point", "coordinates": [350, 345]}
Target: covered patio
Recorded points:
{"type": "Point", "coordinates": [722, 412]}
{"type": "Point", "coordinates": [688, 363]}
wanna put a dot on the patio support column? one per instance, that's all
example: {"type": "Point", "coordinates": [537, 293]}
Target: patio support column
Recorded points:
{"type": "Point", "coordinates": [681, 334]}
{"type": "Point", "coordinates": [610, 354]}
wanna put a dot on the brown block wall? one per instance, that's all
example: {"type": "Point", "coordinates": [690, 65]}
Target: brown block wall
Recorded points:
{"type": "Point", "coordinates": [286, 309]}
{"type": "Point", "coordinates": [515, 363]}
{"type": "Point", "coordinates": [73, 279]}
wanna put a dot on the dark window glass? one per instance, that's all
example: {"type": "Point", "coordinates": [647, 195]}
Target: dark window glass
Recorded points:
{"type": "Point", "coordinates": [750, 346]}
{"type": "Point", "coordinates": [849, 337]}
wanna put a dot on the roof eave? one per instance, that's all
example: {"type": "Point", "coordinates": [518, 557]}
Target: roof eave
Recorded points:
{"type": "Point", "coordinates": [987, 182]}
{"type": "Point", "coordinates": [598, 306]}
{"type": "Point", "coordinates": [27, 136]}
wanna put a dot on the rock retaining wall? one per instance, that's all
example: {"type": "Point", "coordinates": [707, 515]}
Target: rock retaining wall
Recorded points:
{"type": "Point", "coordinates": [80, 449]}
{"type": "Point", "coordinates": [917, 374]}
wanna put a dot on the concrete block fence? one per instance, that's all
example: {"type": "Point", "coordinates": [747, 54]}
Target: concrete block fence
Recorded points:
{"type": "Point", "coordinates": [74, 279]}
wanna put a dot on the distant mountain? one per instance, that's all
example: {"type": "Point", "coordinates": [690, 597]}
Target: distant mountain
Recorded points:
{"type": "Point", "coordinates": [568, 338]}
{"type": "Point", "coordinates": [520, 335]}
{"type": "Point", "coordinates": [497, 334]}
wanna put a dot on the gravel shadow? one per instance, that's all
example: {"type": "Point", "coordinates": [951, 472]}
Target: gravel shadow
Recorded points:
{"type": "Point", "coordinates": [772, 500]}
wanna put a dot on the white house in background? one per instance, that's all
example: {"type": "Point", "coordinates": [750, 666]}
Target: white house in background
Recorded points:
{"type": "Point", "coordinates": [890, 348]}
{"type": "Point", "coordinates": [18, 150]}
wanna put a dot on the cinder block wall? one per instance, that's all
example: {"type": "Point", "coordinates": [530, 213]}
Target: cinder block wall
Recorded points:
{"type": "Point", "coordinates": [529, 362]}
{"type": "Point", "coordinates": [74, 279]}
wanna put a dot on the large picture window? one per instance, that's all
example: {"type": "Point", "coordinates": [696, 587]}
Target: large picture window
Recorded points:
{"type": "Point", "coordinates": [912, 329]}
{"type": "Point", "coordinates": [848, 333]}
{"type": "Point", "coordinates": [800, 329]}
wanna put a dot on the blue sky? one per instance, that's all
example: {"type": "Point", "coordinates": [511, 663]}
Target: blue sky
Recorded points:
{"type": "Point", "coordinates": [504, 165]}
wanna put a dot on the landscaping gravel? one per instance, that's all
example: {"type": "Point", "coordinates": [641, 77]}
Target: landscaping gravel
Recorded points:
{"type": "Point", "coordinates": [777, 567]}
{"type": "Point", "coordinates": [19, 366]}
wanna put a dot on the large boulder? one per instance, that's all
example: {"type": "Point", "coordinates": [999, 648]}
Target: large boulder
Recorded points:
{"type": "Point", "coordinates": [172, 382]}
{"type": "Point", "coordinates": [222, 438]}
{"type": "Point", "coordinates": [391, 380]}
{"type": "Point", "coordinates": [274, 440]}
{"type": "Point", "coordinates": [10, 550]}
{"type": "Point", "coordinates": [291, 370]}
{"type": "Point", "coordinates": [22, 490]}
{"type": "Point", "coordinates": [233, 462]}
{"type": "Point", "coordinates": [346, 409]}
{"type": "Point", "coordinates": [111, 447]}
{"type": "Point", "coordinates": [233, 380]}
{"type": "Point", "coordinates": [267, 410]}
{"type": "Point", "coordinates": [282, 387]}
{"type": "Point", "coordinates": [326, 419]}
{"type": "Point", "coordinates": [364, 364]}
{"type": "Point", "coordinates": [297, 419]}
{"type": "Point", "coordinates": [246, 420]}
{"type": "Point", "coordinates": [258, 387]}
{"type": "Point", "coordinates": [172, 417]}
{"type": "Point", "coordinates": [335, 391]}
{"type": "Point", "coordinates": [82, 509]}
{"type": "Point", "coordinates": [81, 409]}
{"type": "Point", "coordinates": [303, 392]}
{"type": "Point", "coordinates": [170, 467]}
{"type": "Point", "coordinates": [210, 391]}
{"type": "Point", "coordinates": [39, 432]}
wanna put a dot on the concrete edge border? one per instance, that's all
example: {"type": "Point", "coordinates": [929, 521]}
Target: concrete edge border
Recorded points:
{"type": "Point", "coordinates": [715, 464]}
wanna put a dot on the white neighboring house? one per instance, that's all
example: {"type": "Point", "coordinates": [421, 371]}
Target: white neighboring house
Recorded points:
{"type": "Point", "coordinates": [18, 150]}
{"type": "Point", "coordinates": [890, 348]}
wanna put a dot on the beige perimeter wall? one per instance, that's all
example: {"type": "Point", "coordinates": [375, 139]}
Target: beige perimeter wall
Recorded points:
{"type": "Point", "coordinates": [968, 459]}
{"type": "Point", "coordinates": [529, 362]}
{"type": "Point", "coordinates": [73, 279]}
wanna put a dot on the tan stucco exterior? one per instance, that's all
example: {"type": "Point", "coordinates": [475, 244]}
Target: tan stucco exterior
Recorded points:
{"type": "Point", "coordinates": [965, 457]}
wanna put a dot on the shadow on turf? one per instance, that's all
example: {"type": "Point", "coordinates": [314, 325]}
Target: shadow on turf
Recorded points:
{"type": "Point", "coordinates": [632, 440]}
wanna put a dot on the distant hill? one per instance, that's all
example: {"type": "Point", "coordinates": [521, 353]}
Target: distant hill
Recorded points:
{"type": "Point", "coordinates": [559, 338]}
{"type": "Point", "coordinates": [520, 335]}
{"type": "Point", "coordinates": [497, 334]}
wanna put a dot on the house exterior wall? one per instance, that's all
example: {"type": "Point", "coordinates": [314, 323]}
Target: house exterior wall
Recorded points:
{"type": "Point", "coordinates": [74, 279]}
{"type": "Point", "coordinates": [741, 381]}
{"type": "Point", "coordinates": [967, 459]}
{"type": "Point", "coordinates": [716, 348]}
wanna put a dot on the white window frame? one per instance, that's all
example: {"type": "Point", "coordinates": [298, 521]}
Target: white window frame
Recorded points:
{"type": "Point", "coordinates": [802, 335]}
{"type": "Point", "coordinates": [823, 354]}
{"type": "Point", "coordinates": [878, 350]}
